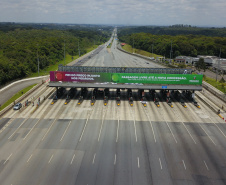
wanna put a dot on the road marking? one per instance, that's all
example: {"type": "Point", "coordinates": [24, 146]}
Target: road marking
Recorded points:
{"type": "Point", "coordinates": [216, 125]}
{"type": "Point", "coordinates": [207, 134]}
{"type": "Point", "coordinates": [72, 159]}
{"type": "Point", "coordinates": [150, 124]}
{"type": "Point", "coordinates": [184, 164]}
{"type": "Point", "coordinates": [134, 123]}
{"type": "Point", "coordinates": [48, 129]}
{"type": "Point", "coordinates": [94, 158]}
{"type": "Point", "coordinates": [135, 130]}
{"type": "Point", "coordinates": [32, 129]}
{"type": "Point", "coordinates": [18, 128]}
{"type": "Point", "coordinates": [115, 160]}
{"type": "Point", "coordinates": [138, 162]}
{"type": "Point", "coordinates": [189, 132]}
{"type": "Point", "coordinates": [206, 165]}
{"type": "Point", "coordinates": [160, 163]}
{"type": "Point", "coordinates": [117, 132]}
{"type": "Point", "coordinates": [171, 132]}
{"type": "Point", "coordinates": [8, 158]}
{"type": "Point", "coordinates": [83, 129]}
{"type": "Point", "coordinates": [100, 130]}
{"type": "Point", "coordinates": [65, 131]}
{"type": "Point", "coordinates": [29, 158]}
{"type": "Point", "coordinates": [50, 159]}
{"type": "Point", "coordinates": [220, 130]}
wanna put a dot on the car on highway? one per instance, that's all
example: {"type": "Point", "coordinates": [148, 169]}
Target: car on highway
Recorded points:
{"type": "Point", "coordinates": [17, 106]}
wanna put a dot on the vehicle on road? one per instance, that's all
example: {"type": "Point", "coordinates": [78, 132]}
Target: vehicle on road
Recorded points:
{"type": "Point", "coordinates": [17, 106]}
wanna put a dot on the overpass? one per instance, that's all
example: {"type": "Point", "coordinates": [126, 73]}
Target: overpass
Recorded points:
{"type": "Point", "coordinates": [125, 78]}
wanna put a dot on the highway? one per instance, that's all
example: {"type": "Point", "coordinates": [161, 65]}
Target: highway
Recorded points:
{"type": "Point", "coordinates": [84, 144]}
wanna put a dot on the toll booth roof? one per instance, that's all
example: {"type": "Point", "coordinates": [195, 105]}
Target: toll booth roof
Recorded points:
{"type": "Point", "coordinates": [96, 69]}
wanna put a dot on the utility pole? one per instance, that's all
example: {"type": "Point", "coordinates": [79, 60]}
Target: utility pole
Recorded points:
{"type": "Point", "coordinates": [218, 65]}
{"type": "Point", "coordinates": [133, 45]}
{"type": "Point", "coordinates": [78, 49]}
{"type": "Point", "coordinates": [152, 49]}
{"type": "Point", "coordinates": [64, 52]}
{"type": "Point", "coordinates": [38, 59]}
{"type": "Point", "coordinates": [171, 50]}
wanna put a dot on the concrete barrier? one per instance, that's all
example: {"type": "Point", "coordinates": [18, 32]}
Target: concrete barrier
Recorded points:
{"type": "Point", "coordinates": [10, 106]}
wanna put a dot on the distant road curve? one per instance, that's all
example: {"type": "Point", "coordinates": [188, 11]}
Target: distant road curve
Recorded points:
{"type": "Point", "coordinates": [11, 89]}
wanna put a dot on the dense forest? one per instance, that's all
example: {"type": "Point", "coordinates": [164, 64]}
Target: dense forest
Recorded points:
{"type": "Point", "coordinates": [174, 30]}
{"type": "Point", "coordinates": [21, 45]}
{"type": "Point", "coordinates": [187, 44]}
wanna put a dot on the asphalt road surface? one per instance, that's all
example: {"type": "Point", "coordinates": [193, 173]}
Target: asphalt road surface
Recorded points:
{"type": "Point", "coordinates": [18, 86]}
{"type": "Point", "coordinates": [84, 144]}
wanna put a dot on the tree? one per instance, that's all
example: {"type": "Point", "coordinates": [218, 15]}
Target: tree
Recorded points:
{"type": "Point", "coordinates": [200, 65]}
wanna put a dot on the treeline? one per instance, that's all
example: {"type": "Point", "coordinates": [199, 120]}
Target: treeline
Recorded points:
{"type": "Point", "coordinates": [188, 45]}
{"type": "Point", "coordinates": [174, 30]}
{"type": "Point", "coordinates": [20, 48]}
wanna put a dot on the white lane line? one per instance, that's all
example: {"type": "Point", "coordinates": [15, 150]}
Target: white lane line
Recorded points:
{"type": "Point", "coordinates": [152, 130]}
{"type": "Point", "coordinates": [65, 131]}
{"type": "Point", "coordinates": [135, 130]}
{"type": "Point", "coordinates": [217, 126]}
{"type": "Point", "coordinates": [8, 158]}
{"type": "Point", "coordinates": [220, 130]}
{"type": "Point", "coordinates": [138, 162]}
{"type": "Point", "coordinates": [32, 129]}
{"type": "Point", "coordinates": [50, 159]}
{"type": "Point", "coordinates": [72, 159]}
{"type": "Point", "coordinates": [117, 132]}
{"type": "Point", "coordinates": [160, 163]}
{"type": "Point", "coordinates": [18, 128]}
{"type": "Point", "coordinates": [48, 129]}
{"type": "Point", "coordinates": [206, 165]}
{"type": "Point", "coordinates": [94, 158]}
{"type": "Point", "coordinates": [83, 129]}
{"type": "Point", "coordinates": [29, 158]}
{"type": "Point", "coordinates": [189, 133]}
{"type": "Point", "coordinates": [207, 134]}
{"type": "Point", "coordinates": [171, 132]}
{"type": "Point", "coordinates": [150, 124]}
{"type": "Point", "coordinates": [115, 160]}
{"type": "Point", "coordinates": [100, 129]}
{"type": "Point", "coordinates": [184, 164]}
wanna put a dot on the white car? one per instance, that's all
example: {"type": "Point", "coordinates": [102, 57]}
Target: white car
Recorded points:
{"type": "Point", "coordinates": [17, 106]}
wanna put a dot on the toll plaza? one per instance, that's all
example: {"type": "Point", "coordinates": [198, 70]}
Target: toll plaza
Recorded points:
{"type": "Point", "coordinates": [125, 78]}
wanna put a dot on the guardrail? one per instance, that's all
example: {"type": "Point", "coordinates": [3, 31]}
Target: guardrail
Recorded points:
{"type": "Point", "coordinates": [140, 56]}
{"type": "Point", "coordinates": [213, 90]}
{"type": "Point", "coordinates": [10, 106]}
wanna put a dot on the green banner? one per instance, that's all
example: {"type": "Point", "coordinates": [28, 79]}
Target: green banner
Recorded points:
{"type": "Point", "coordinates": [186, 79]}
{"type": "Point", "coordinates": [126, 78]}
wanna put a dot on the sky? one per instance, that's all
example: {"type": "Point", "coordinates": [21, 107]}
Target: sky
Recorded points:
{"type": "Point", "coordinates": [118, 12]}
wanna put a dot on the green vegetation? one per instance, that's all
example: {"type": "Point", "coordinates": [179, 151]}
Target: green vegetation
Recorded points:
{"type": "Point", "coordinates": [16, 96]}
{"type": "Point", "coordinates": [188, 45]}
{"type": "Point", "coordinates": [219, 85]}
{"type": "Point", "coordinates": [200, 65]}
{"type": "Point", "coordinates": [21, 46]}
{"type": "Point", "coordinates": [174, 30]}
{"type": "Point", "coordinates": [129, 48]}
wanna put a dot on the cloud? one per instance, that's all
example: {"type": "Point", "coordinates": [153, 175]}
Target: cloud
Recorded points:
{"type": "Point", "coordinates": [143, 12]}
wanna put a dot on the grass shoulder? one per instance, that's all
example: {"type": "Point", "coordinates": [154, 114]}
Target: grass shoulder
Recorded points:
{"type": "Point", "coordinates": [68, 59]}
{"type": "Point", "coordinates": [16, 96]}
{"type": "Point", "coordinates": [129, 48]}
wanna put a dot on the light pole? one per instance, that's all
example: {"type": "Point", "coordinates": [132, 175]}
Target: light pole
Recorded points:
{"type": "Point", "coordinates": [133, 45]}
{"type": "Point", "coordinates": [64, 52]}
{"type": "Point", "coordinates": [78, 49]}
{"type": "Point", "coordinates": [38, 59]}
{"type": "Point", "coordinates": [171, 50]}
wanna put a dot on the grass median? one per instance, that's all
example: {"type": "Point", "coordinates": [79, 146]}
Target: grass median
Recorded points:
{"type": "Point", "coordinates": [16, 96]}
{"type": "Point", "coordinates": [129, 48]}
